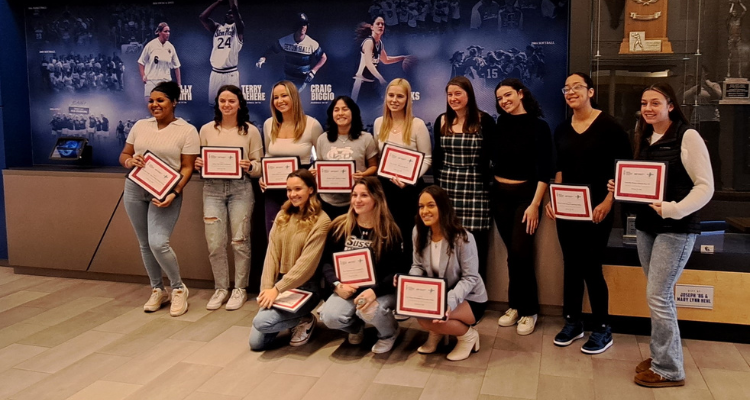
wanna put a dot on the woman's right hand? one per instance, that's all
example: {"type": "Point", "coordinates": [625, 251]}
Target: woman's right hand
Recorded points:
{"type": "Point", "coordinates": [549, 211]}
{"type": "Point", "coordinates": [313, 171]}
{"type": "Point", "coordinates": [198, 164]}
{"type": "Point", "coordinates": [345, 291]}
{"type": "Point", "coordinates": [611, 185]}
{"type": "Point", "coordinates": [135, 161]}
{"type": "Point", "coordinates": [262, 184]}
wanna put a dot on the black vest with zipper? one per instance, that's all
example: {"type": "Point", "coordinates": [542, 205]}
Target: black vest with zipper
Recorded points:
{"type": "Point", "coordinates": [678, 185]}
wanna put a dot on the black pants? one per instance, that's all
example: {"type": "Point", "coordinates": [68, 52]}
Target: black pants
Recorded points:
{"type": "Point", "coordinates": [482, 239]}
{"type": "Point", "coordinates": [334, 211]}
{"type": "Point", "coordinates": [510, 203]}
{"type": "Point", "coordinates": [403, 205]}
{"type": "Point", "coordinates": [583, 244]}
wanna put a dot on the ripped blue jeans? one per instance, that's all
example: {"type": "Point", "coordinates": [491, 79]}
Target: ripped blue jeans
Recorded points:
{"type": "Point", "coordinates": [338, 313]}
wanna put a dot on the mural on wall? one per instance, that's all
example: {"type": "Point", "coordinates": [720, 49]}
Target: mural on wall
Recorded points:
{"type": "Point", "coordinates": [90, 65]}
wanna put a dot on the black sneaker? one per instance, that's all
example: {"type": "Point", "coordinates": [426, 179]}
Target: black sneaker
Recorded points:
{"type": "Point", "coordinates": [571, 331]}
{"type": "Point", "coordinates": [599, 341]}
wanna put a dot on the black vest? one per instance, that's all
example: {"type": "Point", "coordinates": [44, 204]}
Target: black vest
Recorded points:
{"type": "Point", "coordinates": [678, 184]}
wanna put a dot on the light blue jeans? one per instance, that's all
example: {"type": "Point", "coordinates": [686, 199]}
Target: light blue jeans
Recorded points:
{"type": "Point", "coordinates": [663, 257]}
{"type": "Point", "coordinates": [228, 202]}
{"type": "Point", "coordinates": [268, 322]}
{"type": "Point", "coordinates": [153, 226]}
{"type": "Point", "coordinates": [338, 313]}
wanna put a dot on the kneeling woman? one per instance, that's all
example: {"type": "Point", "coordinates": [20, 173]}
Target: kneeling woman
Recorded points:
{"type": "Point", "coordinates": [444, 249]}
{"type": "Point", "coordinates": [295, 246]}
{"type": "Point", "coordinates": [368, 223]}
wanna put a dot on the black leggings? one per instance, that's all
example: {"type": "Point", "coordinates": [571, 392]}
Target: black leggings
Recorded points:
{"type": "Point", "coordinates": [511, 201]}
{"type": "Point", "coordinates": [583, 244]}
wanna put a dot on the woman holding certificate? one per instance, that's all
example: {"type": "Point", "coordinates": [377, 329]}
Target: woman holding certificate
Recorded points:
{"type": "Point", "coordinates": [229, 201]}
{"type": "Point", "coordinates": [345, 140]}
{"type": "Point", "coordinates": [522, 162]}
{"type": "Point", "coordinates": [368, 225]}
{"type": "Point", "coordinates": [461, 161]}
{"type": "Point", "coordinates": [445, 249]}
{"type": "Point", "coordinates": [173, 144]}
{"type": "Point", "coordinates": [288, 133]}
{"type": "Point", "coordinates": [399, 127]}
{"type": "Point", "coordinates": [295, 246]}
{"type": "Point", "coordinates": [666, 230]}
{"type": "Point", "coordinates": [587, 146]}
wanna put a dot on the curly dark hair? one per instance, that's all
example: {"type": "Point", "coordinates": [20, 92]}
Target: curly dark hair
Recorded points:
{"type": "Point", "coordinates": [332, 130]}
{"type": "Point", "coordinates": [243, 114]}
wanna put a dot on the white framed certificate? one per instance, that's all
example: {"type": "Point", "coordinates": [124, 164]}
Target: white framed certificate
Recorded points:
{"type": "Point", "coordinates": [421, 297]}
{"type": "Point", "coordinates": [221, 162]}
{"type": "Point", "coordinates": [276, 169]}
{"type": "Point", "coordinates": [355, 267]}
{"type": "Point", "coordinates": [400, 162]}
{"type": "Point", "coordinates": [156, 176]}
{"type": "Point", "coordinates": [335, 176]}
{"type": "Point", "coordinates": [640, 181]}
{"type": "Point", "coordinates": [571, 202]}
{"type": "Point", "coordinates": [292, 300]}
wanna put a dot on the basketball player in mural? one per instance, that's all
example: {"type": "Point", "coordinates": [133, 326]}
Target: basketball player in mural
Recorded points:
{"type": "Point", "coordinates": [157, 61]}
{"type": "Point", "coordinates": [734, 28]}
{"type": "Point", "coordinates": [227, 43]}
{"type": "Point", "coordinates": [303, 56]}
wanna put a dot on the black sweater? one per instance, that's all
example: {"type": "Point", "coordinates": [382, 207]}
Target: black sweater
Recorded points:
{"type": "Point", "coordinates": [522, 148]}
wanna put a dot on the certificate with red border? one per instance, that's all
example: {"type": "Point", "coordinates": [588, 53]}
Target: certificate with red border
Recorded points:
{"type": "Point", "coordinates": [355, 267]}
{"type": "Point", "coordinates": [571, 201]}
{"type": "Point", "coordinates": [221, 162]}
{"type": "Point", "coordinates": [292, 299]}
{"type": "Point", "coordinates": [276, 169]}
{"type": "Point", "coordinates": [421, 297]}
{"type": "Point", "coordinates": [156, 176]}
{"type": "Point", "coordinates": [640, 181]}
{"type": "Point", "coordinates": [400, 162]}
{"type": "Point", "coordinates": [335, 176]}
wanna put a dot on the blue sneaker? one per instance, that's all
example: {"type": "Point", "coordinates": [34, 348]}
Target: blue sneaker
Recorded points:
{"type": "Point", "coordinates": [571, 331]}
{"type": "Point", "coordinates": [599, 341]}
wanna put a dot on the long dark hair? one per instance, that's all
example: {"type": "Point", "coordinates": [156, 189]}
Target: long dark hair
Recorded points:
{"type": "Point", "coordinates": [529, 102]}
{"type": "Point", "coordinates": [472, 123]}
{"type": "Point", "coordinates": [364, 29]}
{"type": "Point", "coordinates": [644, 130]}
{"type": "Point", "coordinates": [333, 130]}
{"type": "Point", "coordinates": [243, 114]}
{"type": "Point", "coordinates": [589, 85]}
{"type": "Point", "coordinates": [450, 225]}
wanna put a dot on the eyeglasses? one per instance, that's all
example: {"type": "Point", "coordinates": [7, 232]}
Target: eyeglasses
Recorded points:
{"type": "Point", "coordinates": [576, 88]}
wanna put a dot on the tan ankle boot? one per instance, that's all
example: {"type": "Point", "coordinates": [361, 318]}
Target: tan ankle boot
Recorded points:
{"type": "Point", "coordinates": [431, 344]}
{"type": "Point", "coordinates": [467, 343]}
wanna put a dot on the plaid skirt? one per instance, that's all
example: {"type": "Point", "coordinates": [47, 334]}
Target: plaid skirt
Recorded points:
{"type": "Point", "coordinates": [469, 195]}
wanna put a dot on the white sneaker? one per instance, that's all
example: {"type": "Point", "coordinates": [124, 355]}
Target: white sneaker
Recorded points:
{"type": "Point", "coordinates": [157, 299]}
{"type": "Point", "coordinates": [467, 343]}
{"type": "Point", "coordinates": [509, 318]}
{"type": "Point", "coordinates": [385, 345]}
{"type": "Point", "coordinates": [239, 297]}
{"type": "Point", "coordinates": [357, 338]}
{"type": "Point", "coordinates": [526, 325]}
{"type": "Point", "coordinates": [219, 297]}
{"type": "Point", "coordinates": [179, 302]}
{"type": "Point", "coordinates": [302, 332]}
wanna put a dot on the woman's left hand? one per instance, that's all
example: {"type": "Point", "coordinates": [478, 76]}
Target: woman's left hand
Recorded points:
{"type": "Point", "coordinates": [358, 175]}
{"type": "Point", "coordinates": [531, 219]}
{"type": "Point", "coordinates": [447, 317]}
{"type": "Point", "coordinates": [245, 165]}
{"type": "Point", "coordinates": [368, 295]}
{"type": "Point", "coordinates": [601, 211]}
{"type": "Point", "coordinates": [657, 207]}
{"type": "Point", "coordinates": [398, 183]}
{"type": "Point", "coordinates": [267, 297]}
{"type": "Point", "coordinates": [167, 201]}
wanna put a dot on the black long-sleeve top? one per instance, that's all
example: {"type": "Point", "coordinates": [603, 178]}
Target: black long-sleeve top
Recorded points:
{"type": "Point", "coordinates": [589, 158]}
{"type": "Point", "coordinates": [487, 130]}
{"type": "Point", "coordinates": [522, 148]}
{"type": "Point", "coordinates": [391, 261]}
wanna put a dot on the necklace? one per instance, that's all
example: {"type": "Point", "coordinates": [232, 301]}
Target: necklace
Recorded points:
{"type": "Point", "coordinates": [342, 139]}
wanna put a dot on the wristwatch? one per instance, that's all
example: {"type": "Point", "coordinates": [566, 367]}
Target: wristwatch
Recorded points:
{"type": "Point", "coordinates": [176, 194]}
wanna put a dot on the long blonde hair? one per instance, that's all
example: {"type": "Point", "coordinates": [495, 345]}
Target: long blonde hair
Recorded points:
{"type": "Point", "coordinates": [385, 231]}
{"type": "Point", "coordinates": [300, 119]}
{"type": "Point", "coordinates": [385, 128]}
{"type": "Point", "coordinates": [308, 213]}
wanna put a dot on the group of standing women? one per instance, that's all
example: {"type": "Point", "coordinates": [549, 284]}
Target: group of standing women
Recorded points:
{"type": "Point", "coordinates": [482, 168]}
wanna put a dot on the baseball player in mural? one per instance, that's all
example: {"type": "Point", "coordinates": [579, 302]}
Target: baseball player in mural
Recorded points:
{"type": "Point", "coordinates": [227, 43]}
{"type": "Point", "coordinates": [157, 61]}
{"type": "Point", "coordinates": [303, 56]}
{"type": "Point", "coordinates": [372, 53]}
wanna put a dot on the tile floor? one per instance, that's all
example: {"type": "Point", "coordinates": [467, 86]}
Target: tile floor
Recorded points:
{"type": "Point", "coordinates": [76, 339]}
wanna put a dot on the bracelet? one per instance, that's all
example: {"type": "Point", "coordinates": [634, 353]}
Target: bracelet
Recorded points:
{"type": "Point", "coordinates": [175, 193]}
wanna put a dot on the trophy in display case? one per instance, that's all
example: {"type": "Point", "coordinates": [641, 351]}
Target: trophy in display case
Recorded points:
{"type": "Point", "coordinates": [736, 89]}
{"type": "Point", "coordinates": [646, 27]}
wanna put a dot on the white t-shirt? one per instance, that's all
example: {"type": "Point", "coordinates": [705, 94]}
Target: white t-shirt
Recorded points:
{"type": "Point", "coordinates": [420, 140]}
{"type": "Point", "coordinates": [169, 143]}
{"type": "Point", "coordinates": [159, 59]}
{"type": "Point", "coordinates": [251, 143]}
{"type": "Point", "coordinates": [435, 256]}
{"type": "Point", "coordinates": [302, 148]}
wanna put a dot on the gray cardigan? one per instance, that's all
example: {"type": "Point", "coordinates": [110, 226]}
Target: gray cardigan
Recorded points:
{"type": "Point", "coordinates": [460, 269]}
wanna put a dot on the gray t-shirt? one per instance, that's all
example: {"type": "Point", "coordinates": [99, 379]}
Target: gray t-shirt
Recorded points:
{"type": "Point", "coordinates": [344, 148]}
